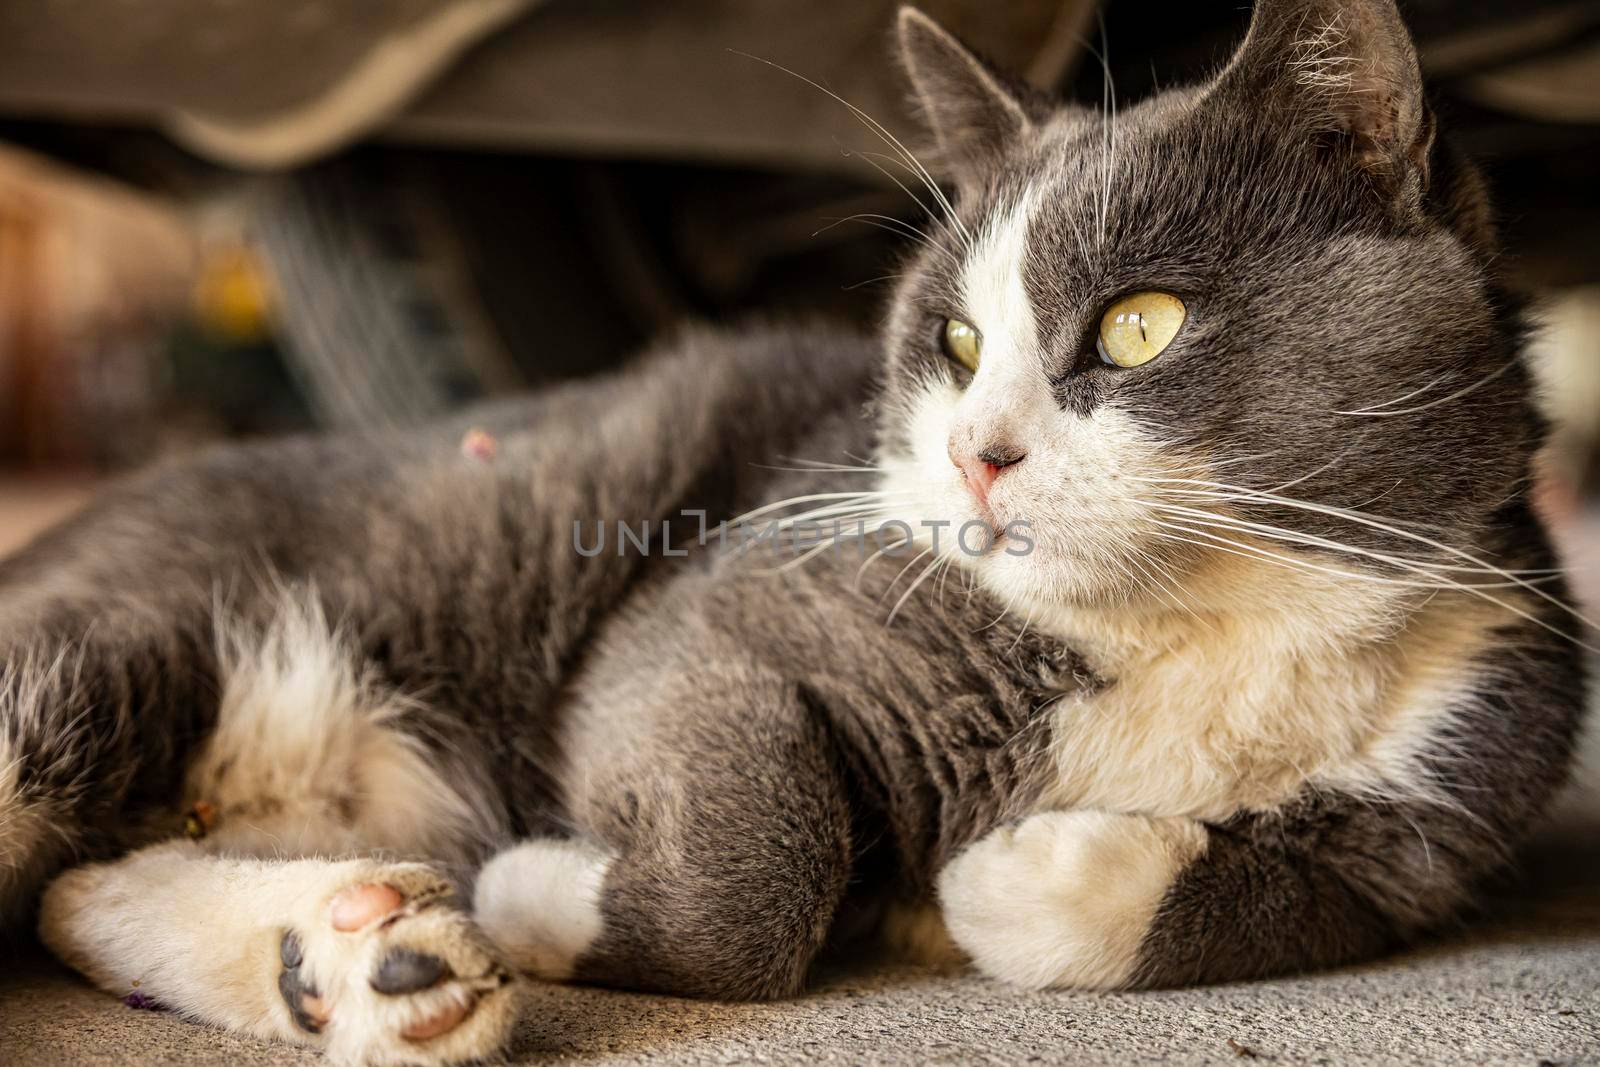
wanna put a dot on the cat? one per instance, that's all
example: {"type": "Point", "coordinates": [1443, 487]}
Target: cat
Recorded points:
{"type": "Point", "coordinates": [1242, 652]}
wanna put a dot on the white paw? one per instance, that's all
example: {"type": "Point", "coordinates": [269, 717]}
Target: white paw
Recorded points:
{"type": "Point", "coordinates": [540, 904]}
{"type": "Point", "coordinates": [384, 973]}
{"type": "Point", "coordinates": [1064, 898]}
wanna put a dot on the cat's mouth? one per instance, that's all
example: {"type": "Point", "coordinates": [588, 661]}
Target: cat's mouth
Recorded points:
{"type": "Point", "coordinates": [985, 514]}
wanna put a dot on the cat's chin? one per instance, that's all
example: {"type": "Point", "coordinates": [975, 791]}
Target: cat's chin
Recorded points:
{"type": "Point", "coordinates": [1042, 583]}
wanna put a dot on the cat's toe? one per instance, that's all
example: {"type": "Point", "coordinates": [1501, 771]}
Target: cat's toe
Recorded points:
{"type": "Point", "coordinates": [385, 894]}
{"type": "Point", "coordinates": [440, 1022]}
{"type": "Point", "coordinates": [405, 970]}
{"type": "Point", "coordinates": [306, 1006]}
{"type": "Point", "coordinates": [409, 980]}
{"type": "Point", "coordinates": [437, 996]}
{"type": "Point", "coordinates": [359, 905]}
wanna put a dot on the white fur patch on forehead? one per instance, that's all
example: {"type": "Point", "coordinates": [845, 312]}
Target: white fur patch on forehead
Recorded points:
{"type": "Point", "coordinates": [991, 284]}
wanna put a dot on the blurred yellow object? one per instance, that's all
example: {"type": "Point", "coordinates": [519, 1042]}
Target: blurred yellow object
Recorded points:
{"type": "Point", "coordinates": [232, 295]}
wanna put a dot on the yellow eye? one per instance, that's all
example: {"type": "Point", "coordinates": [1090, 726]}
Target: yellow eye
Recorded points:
{"type": "Point", "coordinates": [961, 344]}
{"type": "Point", "coordinates": [1137, 328]}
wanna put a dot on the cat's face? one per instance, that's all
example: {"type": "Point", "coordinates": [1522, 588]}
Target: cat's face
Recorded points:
{"type": "Point", "coordinates": [1273, 283]}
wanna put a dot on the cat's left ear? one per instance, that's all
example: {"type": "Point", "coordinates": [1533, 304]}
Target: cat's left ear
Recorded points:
{"type": "Point", "coordinates": [975, 112]}
{"type": "Point", "coordinates": [1343, 69]}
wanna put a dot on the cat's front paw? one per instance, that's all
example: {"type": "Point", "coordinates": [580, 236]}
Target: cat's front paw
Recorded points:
{"type": "Point", "coordinates": [384, 973]}
{"type": "Point", "coordinates": [1064, 898]}
{"type": "Point", "coordinates": [539, 902]}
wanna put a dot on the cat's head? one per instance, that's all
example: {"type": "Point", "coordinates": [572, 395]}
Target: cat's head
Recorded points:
{"type": "Point", "coordinates": [1141, 333]}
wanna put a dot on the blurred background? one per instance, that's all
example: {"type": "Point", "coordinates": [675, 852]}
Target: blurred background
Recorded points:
{"type": "Point", "coordinates": [222, 218]}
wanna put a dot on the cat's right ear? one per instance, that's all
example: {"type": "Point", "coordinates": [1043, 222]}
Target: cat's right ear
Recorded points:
{"type": "Point", "coordinates": [974, 112]}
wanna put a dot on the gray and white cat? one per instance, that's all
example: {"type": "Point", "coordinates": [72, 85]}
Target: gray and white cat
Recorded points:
{"type": "Point", "coordinates": [1267, 668]}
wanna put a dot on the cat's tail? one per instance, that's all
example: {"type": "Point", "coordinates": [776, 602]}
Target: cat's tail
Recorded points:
{"type": "Point", "coordinates": [82, 740]}
{"type": "Point", "coordinates": [56, 756]}
{"type": "Point", "coordinates": [31, 840]}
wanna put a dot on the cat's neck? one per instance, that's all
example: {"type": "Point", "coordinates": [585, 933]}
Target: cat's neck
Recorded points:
{"type": "Point", "coordinates": [1263, 679]}
{"type": "Point", "coordinates": [1269, 609]}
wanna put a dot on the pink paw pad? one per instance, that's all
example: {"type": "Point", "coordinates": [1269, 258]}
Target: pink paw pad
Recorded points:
{"type": "Point", "coordinates": [362, 905]}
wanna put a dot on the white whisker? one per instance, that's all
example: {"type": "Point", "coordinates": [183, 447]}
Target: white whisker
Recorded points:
{"type": "Point", "coordinates": [798, 561]}
{"type": "Point", "coordinates": [896, 580]}
{"type": "Point", "coordinates": [872, 124]}
{"type": "Point", "coordinates": [1313, 540]}
{"type": "Point", "coordinates": [1237, 460]}
{"type": "Point", "coordinates": [808, 498]}
{"type": "Point", "coordinates": [912, 588]}
{"type": "Point", "coordinates": [1224, 491]}
{"type": "Point", "coordinates": [1167, 586]}
{"type": "Point", "coordinates": [1108, 117]}
{"type": "Point", "coordinates": [1026, 622]}
{"type": "Point", "coordinates": [1457, 395]}
{"type": "Point", "coordinates": [1368, 521]}
{"type": "Point", "coordinates": [1438, 585]}
{"type": "Point", "coordinates": [894, 226]}
{"type": "Point", "coordinates": [933, 216]}
{"type": "Point", "coordinates": [1004, 611]}
{"type": "Point", "coordinates": [862, 570]}
{"type": "Point", "coordinates": [944, 575]}
{"type": "Point", "coordinates": [1371, 408]}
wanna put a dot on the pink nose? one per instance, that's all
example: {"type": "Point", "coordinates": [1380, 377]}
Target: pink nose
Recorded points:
{"type": "Point", "coordinates": [983, 468]}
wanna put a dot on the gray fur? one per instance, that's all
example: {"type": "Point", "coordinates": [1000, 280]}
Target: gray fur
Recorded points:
{"type": "Point", "coordinates": [770, 763]}
{"type": "Point", "coordinates": [1334, 879]}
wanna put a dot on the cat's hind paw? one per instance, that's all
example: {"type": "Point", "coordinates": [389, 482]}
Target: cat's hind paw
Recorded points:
{"type": "Point", "coordinates": [362, 958]}
{"type": "Point", "coordinates": [385, 974]}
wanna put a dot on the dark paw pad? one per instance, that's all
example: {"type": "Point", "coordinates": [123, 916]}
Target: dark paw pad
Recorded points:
{"type": "Point", "coordinates": [289, 950]}
{"type": "Point", "coordinates": [406, 971]}
{"type": "Point", "coordinates": [303, 1000]}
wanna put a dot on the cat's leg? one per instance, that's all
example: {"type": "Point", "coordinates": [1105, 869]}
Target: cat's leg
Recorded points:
{"type": "Point", "coordinates": [1091, 900]}
{"type": "Point", "coordinates": [457, 571]}
{"type": "Point", "coordinates": [1065, 898]}
{"type": "Point", "coordinates": [718, 851]}
{"type": "Point", "coordinates": [361, 957]}
{"type": "Point", "coordinates": [540, 902]}
{"type": "Point", "coordinates": [95, 724]}
{"type": "Point", "coordinates": [309, 757]}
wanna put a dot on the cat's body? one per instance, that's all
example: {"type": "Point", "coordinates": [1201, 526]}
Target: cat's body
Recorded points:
{"type": "Point", "coordinates": [1175, 724]}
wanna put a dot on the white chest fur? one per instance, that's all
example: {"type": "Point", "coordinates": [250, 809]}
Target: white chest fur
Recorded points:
{"type": "Point", "coordinates": [1311, 681]}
